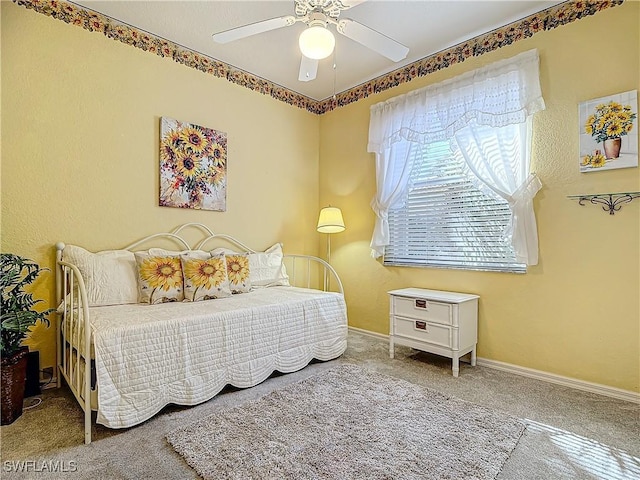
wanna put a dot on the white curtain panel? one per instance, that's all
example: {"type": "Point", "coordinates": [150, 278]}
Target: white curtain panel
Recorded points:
{"type": "Point", "coordinates": [498, 160]}
{"type": "Point", "coordinates": [392, 179]}
{"type": "Point", "coordinates": [500, 94]}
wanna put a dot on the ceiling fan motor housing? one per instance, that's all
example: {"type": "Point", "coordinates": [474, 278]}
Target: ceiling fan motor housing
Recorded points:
{"type": "Point", "coordinates": [330, 8]}
{"type": "Point", "coordinates": [317, 19]}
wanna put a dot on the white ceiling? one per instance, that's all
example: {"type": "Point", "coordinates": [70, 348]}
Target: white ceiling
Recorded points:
{"type": "Point", "coordinates": [424, 26]}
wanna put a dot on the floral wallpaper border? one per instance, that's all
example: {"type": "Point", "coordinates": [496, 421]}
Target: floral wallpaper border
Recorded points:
{"type": "Point", "coordinates": [548, 19]}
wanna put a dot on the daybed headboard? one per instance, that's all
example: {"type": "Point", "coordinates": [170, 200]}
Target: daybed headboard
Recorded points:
{"type": "Point", "coordinates": [303, 270]}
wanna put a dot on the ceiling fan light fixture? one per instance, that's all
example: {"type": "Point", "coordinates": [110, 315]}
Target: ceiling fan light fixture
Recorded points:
{"type": "Point", "coordinates": [316, 42]}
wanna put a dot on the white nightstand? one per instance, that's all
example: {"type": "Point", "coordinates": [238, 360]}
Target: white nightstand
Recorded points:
{"type": "Point", "coordinates": [434, 321]}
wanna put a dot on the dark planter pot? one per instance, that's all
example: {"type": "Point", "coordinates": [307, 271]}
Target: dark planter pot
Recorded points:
{"type": "Point", "coordinates": [14, 373]}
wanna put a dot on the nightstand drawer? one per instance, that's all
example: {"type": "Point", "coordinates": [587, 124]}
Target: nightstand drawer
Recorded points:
{"type": "Point", "coordinates": [423, 309]}
{"type": "Point", "coordinates": [423, 331]}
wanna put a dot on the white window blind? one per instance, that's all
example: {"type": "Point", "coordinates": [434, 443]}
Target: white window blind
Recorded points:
{"type": "Point", "coordinates": [445, 220]}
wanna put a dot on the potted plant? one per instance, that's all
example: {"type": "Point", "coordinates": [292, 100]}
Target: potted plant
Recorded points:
{"type": "Point", "coordinates": [18, 316]}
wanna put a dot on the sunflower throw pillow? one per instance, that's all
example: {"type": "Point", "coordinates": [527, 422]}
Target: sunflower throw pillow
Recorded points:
{"type": "Point", "coordinates": [238, 272]}
{"type": "Point", "coordinates": [205, 276]}
{"type": "Point", "coordinates": [159, 278]}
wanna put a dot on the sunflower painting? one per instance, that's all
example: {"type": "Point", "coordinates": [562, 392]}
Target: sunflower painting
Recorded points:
{"type": "Point", "coordinates": [193, 166]}
{"type": "Point", "coordinates": [608, 132]}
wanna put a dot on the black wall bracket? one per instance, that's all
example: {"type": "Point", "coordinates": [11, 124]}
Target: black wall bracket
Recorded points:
{"type": "Point", "coordinates": [611, 202]}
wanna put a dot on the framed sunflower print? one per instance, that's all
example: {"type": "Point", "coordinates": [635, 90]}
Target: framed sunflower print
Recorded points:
{"type": "Point", "coordinates": [193, 166]}
{"type": "Point", "coordinates": [609, 132]}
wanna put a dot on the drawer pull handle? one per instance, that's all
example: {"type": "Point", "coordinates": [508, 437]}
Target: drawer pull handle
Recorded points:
{"type": "Point", "coordinates": [421, 325]}
{"type": "Point", "coordinates": [421, 303]}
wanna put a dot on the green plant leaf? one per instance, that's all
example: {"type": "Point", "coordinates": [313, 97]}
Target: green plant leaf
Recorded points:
{"type": "Point", "coordinates": [17, 314]}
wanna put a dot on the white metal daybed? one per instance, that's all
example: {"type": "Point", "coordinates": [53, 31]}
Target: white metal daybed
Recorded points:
{"type": "Point", "coordinates": [144, 357]}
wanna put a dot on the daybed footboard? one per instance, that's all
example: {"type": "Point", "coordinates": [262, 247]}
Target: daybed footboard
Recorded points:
{"type": "Point", "coordinates": [75, 332]}
{"type": "Point", "coordinates": [74, 341]}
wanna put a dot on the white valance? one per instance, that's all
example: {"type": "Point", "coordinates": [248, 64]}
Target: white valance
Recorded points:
{"type": "Point", "coordinates": [505, 92]}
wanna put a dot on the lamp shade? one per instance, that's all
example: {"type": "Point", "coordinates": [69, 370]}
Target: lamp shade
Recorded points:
{"type": "Point", "coordinates": [330, 220]}
{"type": "Point", "coordinates": [316, 42]}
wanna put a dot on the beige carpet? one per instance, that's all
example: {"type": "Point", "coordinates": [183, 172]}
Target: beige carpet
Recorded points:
{"type": "Point", "coordinates": [350, 423]}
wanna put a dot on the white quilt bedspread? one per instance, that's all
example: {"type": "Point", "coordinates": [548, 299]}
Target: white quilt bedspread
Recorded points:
{"type": "Point", "coordinates": [148, 356]}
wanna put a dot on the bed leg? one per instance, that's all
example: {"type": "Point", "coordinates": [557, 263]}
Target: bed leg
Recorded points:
{"type": "Point", "coordinates": [87, 425]}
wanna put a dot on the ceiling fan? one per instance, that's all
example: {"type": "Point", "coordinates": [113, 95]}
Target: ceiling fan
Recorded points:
{"type": "Point", "coordinates": [316, 41]}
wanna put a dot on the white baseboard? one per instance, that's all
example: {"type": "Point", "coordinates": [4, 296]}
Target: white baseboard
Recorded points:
{"type": "Point", "coordinates": [369, 333]}
{"type": "Point", "coordinates": [560, 380]}
{"type": "Point", "coordinates": [585, 386]}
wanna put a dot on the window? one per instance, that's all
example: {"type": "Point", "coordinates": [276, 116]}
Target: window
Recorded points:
{"type": "Point", "coordinates": [446, 220]}
{"type": "Point", "coordinates": [433, 147]}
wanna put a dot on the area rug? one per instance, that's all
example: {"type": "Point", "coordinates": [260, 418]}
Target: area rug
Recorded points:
{"type": "Point", "coordinates": [350, 423]}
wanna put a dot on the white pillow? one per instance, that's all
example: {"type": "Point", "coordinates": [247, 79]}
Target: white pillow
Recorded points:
{"type": "Point", "coordinates": [266, 269]}
{"type": "Point", "coordinates": [110, 277]}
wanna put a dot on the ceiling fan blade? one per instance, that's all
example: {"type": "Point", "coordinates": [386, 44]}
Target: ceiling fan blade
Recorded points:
{"type": "Point", "coordinates": [308, 69]}
{"type": "Point", "coordinates": [376, 41]}
{"type": "Point", "coordinates": [253, 29]}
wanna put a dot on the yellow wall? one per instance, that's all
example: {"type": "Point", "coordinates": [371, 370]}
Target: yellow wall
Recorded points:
{"type": "Point", "coordinates": [576, 313]}
{"type": "Point", "coordinates": [80, 130]}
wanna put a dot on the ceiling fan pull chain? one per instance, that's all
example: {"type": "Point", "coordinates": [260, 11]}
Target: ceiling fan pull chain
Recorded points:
{"type": "Point", "coordinates": [335, 74]}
